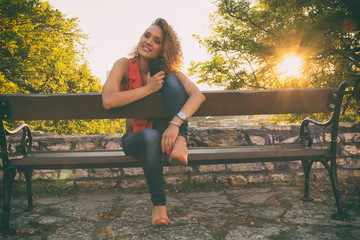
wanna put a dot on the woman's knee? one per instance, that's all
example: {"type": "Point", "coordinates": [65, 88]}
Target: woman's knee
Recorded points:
{"type": "Point", "coordinates": [171, 81]}
{"type": "Point", "coordinates": [151, 151]}
{"type": "Point", "coordinates": [151, 137]}
{"type": "Point", "coordinates": [173, 88]}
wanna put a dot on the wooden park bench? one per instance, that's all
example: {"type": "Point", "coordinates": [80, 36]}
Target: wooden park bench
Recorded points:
{"type": "Point", "coordinates": [218, 103]}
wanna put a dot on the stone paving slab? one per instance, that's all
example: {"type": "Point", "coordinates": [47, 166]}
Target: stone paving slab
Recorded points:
{"type": "Point", "coordinates": [273, 212]}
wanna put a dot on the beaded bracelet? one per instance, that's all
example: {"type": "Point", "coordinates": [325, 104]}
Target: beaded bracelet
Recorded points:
{"type": "Point", "coordinates": [175, 123]}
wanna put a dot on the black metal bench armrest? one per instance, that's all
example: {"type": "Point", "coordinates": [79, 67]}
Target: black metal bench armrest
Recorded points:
{"type": "Point", "coordinates": [306, 138]}
{"type": "Point", "coordinates": [335, 103]}
{"type": "Point", "coordinates": [26, 139]}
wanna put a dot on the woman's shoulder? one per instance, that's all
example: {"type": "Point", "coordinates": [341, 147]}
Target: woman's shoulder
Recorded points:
{"type": "Point", "coordinates": [121, 65]}
{"type": "Point", "coordinates": [119, 71]}
{"type": "Point", "coordinates": [123, 61]}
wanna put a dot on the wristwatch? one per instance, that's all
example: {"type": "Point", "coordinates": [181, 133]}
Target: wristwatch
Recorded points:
{"type": "Point", "coordinates": [182, 116]}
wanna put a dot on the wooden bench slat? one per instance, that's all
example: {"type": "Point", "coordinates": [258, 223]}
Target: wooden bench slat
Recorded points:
{"type": "Point", "coordinates": [218, 103]}
{"type": "Point", "coordinates": [196, 156]}
{"type": "Point", "coordinates": [262, 152]}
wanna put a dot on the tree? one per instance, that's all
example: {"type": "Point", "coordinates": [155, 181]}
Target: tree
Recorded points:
{"type": "Point", "coordinates": [249, 40]}
{"type": "Point", "coordinates": [41, 51]}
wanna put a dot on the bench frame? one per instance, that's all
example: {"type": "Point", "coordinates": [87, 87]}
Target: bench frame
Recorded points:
{"type": "Point", "coordinates": [56, 106]}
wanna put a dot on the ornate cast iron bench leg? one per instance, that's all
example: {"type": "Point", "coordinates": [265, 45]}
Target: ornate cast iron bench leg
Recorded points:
{"type": "Point", "coordinates": [307, 164]}
{"type": "Point", "coordinates": [28, 176]}
{"type": "Point", "coordinates": [337, 193]}
{"type": "Point", "coordinates": [8, 181]}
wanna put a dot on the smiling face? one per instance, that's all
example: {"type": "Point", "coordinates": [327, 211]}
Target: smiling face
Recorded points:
{"type": "Point", "coordinates": [160, 39]}
{"type": "Point", "coordinates": [151, 43]}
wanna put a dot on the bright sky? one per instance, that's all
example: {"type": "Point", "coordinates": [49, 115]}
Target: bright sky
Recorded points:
{"type": "Point", "coordinates": [115, 26]}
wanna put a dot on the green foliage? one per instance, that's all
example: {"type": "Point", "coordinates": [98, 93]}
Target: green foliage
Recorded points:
{"type": "Point", "coordinates": [43, 188]}
{"type": "Point", "coordinates": [249, 40]}
{"type": "Point", "coordinates": [41, 51]}
{"type": "Point", "coordinates": [87, 127]}
{"type": "Point", "coordinates": [67, 127]}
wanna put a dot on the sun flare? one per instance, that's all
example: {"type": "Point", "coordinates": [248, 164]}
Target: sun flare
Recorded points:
{"type": "Point", "coordinates": [291, 66]}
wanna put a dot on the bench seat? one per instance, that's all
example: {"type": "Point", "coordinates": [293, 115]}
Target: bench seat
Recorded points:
{"type": "Point", "coordinates": [197, 156]}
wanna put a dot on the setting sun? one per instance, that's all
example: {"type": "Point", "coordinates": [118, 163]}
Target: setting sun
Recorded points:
{"type": "Point", "coordinates": [290, 66]}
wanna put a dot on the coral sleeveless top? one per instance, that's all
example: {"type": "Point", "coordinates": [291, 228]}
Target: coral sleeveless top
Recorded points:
{"type": "Point", "coordinates": [135, 81]}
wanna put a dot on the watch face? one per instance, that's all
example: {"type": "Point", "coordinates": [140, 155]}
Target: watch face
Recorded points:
{"type": "Point", "coordinates": [182, 116]}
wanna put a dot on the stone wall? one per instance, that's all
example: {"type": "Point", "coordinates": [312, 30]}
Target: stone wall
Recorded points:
{"type": "Point", "coordinates": [236, 174]}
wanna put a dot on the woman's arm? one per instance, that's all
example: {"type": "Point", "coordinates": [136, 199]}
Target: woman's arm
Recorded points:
{"type": "Point", "coordinates": [112, 96]}
{"type": "Point", "coordinates": [195, 99]}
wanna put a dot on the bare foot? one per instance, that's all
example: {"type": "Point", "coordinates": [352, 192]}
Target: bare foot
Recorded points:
{"type": "Point", "coordinates": [158, 213]}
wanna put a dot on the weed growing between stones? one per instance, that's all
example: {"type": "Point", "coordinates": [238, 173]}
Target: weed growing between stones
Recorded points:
{"type": "Point", "coordinates": [351, 195]}
{"type": "Point", "coordinates": [322, 201]}
{"type": "Point", "coordinates": [179, 224]}
{"type": "Point", "coordinates": [177, 211]}
{"type": "Point", "coordinates": [352, 204]}
{"type": "Point", "coordinates": [44, 188]}
{"type": "Point", "coordinates": [154, 230]}
{"type": "Point", "coordinates": [114, 212]}
{"type": "Point", "coordinates": [40, 227]}
{"type": "Point", "coordinates": [283, 235]}
{"type": "Point", "coordinates": [220, 234]}
{"type": "Point", "coordinates": [226, 210]}
{"type": "Point", "coordinates": [49, 210]}
{"type": "Point", "coordinates": [286, 202]}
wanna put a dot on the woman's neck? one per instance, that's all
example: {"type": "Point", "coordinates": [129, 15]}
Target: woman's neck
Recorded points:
{"type": "Point", "coordinates": [144, 68]}
{"type": "Point", "coordinates": [143, 65]}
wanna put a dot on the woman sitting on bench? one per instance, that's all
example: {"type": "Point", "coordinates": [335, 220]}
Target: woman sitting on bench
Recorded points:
{"type": "Point", "coordinates": [147, 139]}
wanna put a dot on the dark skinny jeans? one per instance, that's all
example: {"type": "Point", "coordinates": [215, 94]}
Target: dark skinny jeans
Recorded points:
{"type": "Point", "coordinates": [145, 144]}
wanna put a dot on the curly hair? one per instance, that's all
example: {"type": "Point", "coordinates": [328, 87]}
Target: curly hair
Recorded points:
{"type": "Point", "coordinates": [172, 55]}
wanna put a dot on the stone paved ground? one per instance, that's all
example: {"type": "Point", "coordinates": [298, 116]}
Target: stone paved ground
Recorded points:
{"type": "Point", "coordinates": [266, 211]}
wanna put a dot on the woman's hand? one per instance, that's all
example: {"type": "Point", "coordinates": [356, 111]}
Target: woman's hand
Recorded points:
{"type": "Point", "coordinates": [155, 82]}
{"type": "Point", "coordinates": [168, 138]}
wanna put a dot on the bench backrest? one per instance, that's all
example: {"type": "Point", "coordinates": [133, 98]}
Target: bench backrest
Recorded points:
{"type": "Point", "coordinates": [218, 103]}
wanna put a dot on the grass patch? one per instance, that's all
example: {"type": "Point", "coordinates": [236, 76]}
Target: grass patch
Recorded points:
{"type": "Point", "coordinates": [351, 196]}
{"type": "Point", "coordinates": [177, 211]}
{"type": "Point", "coordinates": [50, 210]}
{"type": "Point", "coordinates": [286, 202]}
{"type": "Point", "coordinates": [322, 202]}
{"type": "Point", "coordinates": [114, 212]}
{"type": "Point", "coordinates": [40, 227]}
{"type": "Point", "coordinates": [220, 234]}
{"type": "Point", "coordinates": [283, 235]}
{"type": "Point", "coordinates": [352, 204]}
{"type": "Point", "coordinates": [180, 224]}
{"type": "Point", "coordinates": [44, 188]}
{"type": "Point", "coordinates": [226, 210]}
